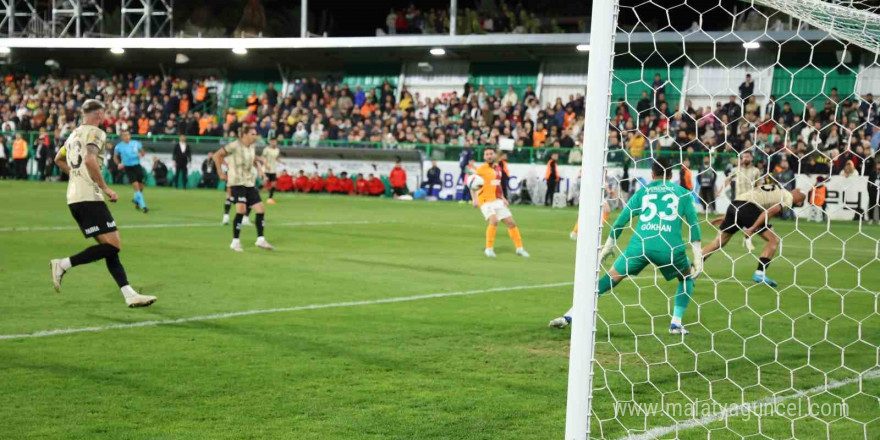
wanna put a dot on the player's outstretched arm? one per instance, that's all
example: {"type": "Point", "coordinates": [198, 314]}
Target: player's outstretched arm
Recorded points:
{"type": "Point", "coordinates": [94, 170]}
{"type": "Point", "coordinates": [61, 161]}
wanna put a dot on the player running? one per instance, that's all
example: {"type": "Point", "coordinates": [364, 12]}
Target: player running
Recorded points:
{"type": "Point", "coordinates": [494, 206]}
{"type": "Point", "coordinates": [750, 212]}
{"type": "Point", "coordinates": [241, 179]}
{"type": "Point", "coordinates": [657, 239]}
{"type": "Point", "coordinates": [81, 158]}
{"type": "Point", "coordinates": [270, 159]}
{"type": "Point", "coordinates": [127, 155]}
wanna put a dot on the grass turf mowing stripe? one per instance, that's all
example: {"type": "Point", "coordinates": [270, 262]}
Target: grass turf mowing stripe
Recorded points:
{"type": "Point", "coordinates": [58, 332]}
{"type": "Point", "coordinates": [750, 407]}
{"type": "Point", "coordinates": [191, 225]}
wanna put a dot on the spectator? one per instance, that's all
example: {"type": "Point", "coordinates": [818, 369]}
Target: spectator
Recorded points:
{"type": "Point", "coordinates": [20, 156]}
{"type": "Point", "coordinates": [182, 156]}
{"type": "Point", "coordinates": [316, 183]}
{"type": "Point", "coordinates": [361, 186]}
{"type": "Point", "coordinates": [331, 182]}
{"type": "Point", "coordinates": [784, 176]}
{"type": "Point", "coordinates": [41, 153]}
{"type": "Point", "coordinates": [160, 172]}
{"type": "Point", "coordinates": [510, 98]}
{"type": "Point", "coordinates": [398, 180]}
{"type": "Point", "coordinates": [346, 186]}
{"type": "Point", "coordinates": [849, 169]}
{"type": "Point", "coordinates": [747, 88]}
{"type": "Point", "coordinates": [707, 178]}
{"type": "Point", "coordinates": [552, 178]}
{"type": "Point", "coordinates": [271, 94]}
{"type": "Point", "coordinates": [285, 182]}
{"type": "Point", "coordinates": [375, 187]}
{"type": "Point", "coordinates": [210, 177]}
{"type": "Point", "coordinates": [301, 183]}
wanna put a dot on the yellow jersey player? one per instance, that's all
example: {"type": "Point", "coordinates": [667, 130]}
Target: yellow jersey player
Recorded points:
{"type": "Point", "coordinates": [750, 212]}
{"type": "Point", "coordinates": [241, 179]}
{"type": "Point", "coordinates": [494, 206]}
{"type": "Point", "coordinates": [81, 158]}
{"type": "Point", "coordinates": [270, 166]}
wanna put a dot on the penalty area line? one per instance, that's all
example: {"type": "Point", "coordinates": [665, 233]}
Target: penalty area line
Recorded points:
{"type": "Point", "coordinates": [756, 407]}
{"type": "Point", "coordinates": [96, 329]}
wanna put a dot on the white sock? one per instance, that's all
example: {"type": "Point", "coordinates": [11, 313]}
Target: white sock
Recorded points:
{"type": "Point", "coordinates": [128, 292]}
{"type": "Point", "coordinates": [65, 263]}
{"type": "Point", "coordinates": [235, 241]}
{"type": "Point", "coordinates": [261, 238]}
{"type": "Point", "coordinates": [676, 321]}
{"type": "Point", "coordinates": [759, 272]}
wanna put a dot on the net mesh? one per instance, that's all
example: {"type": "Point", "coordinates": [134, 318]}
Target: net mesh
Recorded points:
{"type": "Point", "coordinates": [799, 360]}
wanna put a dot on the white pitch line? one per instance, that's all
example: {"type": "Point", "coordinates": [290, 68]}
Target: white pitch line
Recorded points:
{"type": "Point", "coordinates": [67, 331]}
{"type": "Point", "coordinates": [192, 225]}
{"type": "Point", "coordinates": [751, 407]}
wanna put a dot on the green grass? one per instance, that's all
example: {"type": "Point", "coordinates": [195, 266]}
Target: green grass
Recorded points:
{"type": "Point", "coordinates": [478, 366]}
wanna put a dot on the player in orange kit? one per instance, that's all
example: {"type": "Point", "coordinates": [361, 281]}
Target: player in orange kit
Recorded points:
{"type": "Point", "coordinates": [494, 206]}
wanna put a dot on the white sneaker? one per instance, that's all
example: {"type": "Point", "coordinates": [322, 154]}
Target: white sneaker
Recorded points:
{"type": "Point", "coordinates": [140, 300]}
{"type": "Point", "coordinates": [246, 221]}
{"type": "Point", "coordinates": [490, 252]}
{"type": "Point", "coordinates": [559, 322]}
{"type": "Point", "coordinates": [573, 235]}
{"type": "Point", "coordinates": [236, 246]}
{"type": "Point", "coordinates": [57, 274]}
{"type": "Point", "coordinates": [225, 219]}
{"type": "Point", "coordinates": [522, 253]}
{"type": "Point", "coordinates": [262, 243]}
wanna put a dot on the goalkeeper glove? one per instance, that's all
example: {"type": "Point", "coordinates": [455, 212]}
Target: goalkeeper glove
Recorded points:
{"type": "Point", "coordinates": [697, 266]}
{"type": "Point", "coordinates": [607, 250]}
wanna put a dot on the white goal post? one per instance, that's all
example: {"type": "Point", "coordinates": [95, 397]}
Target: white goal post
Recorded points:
{"type": "Point", "coordinates": [813, 340]}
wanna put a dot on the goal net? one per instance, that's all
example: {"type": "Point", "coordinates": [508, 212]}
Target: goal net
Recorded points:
{"type": "Point", "coordinates": [784, 335]}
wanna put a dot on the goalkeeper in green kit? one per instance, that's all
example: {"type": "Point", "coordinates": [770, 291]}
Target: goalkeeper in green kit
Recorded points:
{"type": "Point", "coordinates": [665, 211]}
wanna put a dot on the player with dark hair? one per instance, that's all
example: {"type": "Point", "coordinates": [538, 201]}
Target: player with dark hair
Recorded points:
{"type": "Point", "coordinates": [241, 179]}
{"type": "Point", "coordinates": [81, 158]}
{"type": "Point", "coordinates": [665, 211]}
{"type": "Point", "coordinates": [494, 206]}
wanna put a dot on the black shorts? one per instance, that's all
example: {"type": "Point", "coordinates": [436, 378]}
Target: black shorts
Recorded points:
{"type": "Point", "coordinates": [135, 174]}
{"type": "Point", "coordinates": [271, 177]}
{"type": "Point", "coordinates": [245, 194]}
{"type": "Point", "coordinates": [399, 191]}
{"type": "Point", "coordinates": [93, 218]}
{"type": "Point", "coordinates": [741, 216]}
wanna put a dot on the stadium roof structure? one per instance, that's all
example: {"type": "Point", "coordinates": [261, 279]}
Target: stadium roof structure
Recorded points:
{"type": "Point", "coordinates": [266, 52]}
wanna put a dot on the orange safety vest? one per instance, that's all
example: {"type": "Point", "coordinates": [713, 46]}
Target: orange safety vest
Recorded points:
{"type": "Point", "coordinates": [551, 169]}
{"type": "Point", "coordinates": [19, 149]}
{"type": "Point", "coordinates": [817, 196]}
{"type": "Point", "coordinates": [201, 93]}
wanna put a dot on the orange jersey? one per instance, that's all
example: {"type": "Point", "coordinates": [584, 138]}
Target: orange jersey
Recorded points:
{"type": "Point", "coordinates": [491, 189]}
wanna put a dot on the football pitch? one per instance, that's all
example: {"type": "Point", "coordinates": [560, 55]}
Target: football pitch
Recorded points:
{"type": "Point", "coordinates": [382, 319]}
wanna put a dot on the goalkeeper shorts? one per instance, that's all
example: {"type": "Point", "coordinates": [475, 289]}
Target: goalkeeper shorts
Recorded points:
{"type": "Point", "coordinates": [673, 263]}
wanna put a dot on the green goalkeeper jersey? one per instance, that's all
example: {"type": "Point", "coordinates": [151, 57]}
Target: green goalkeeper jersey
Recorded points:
{"type": "Point", "coordinates": [660, 206]}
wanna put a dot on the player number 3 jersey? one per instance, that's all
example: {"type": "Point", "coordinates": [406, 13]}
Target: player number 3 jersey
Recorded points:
{"type": "Point", "coordinates": [81, 187]}
{"type": "Point", "coordinates": [240, 165]}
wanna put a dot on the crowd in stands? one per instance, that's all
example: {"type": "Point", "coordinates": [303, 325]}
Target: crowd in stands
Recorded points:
{"type": "Point", "coordinates": [823, 140]}
{"type": "Point", "coordinates": [311, 113]}
{"type": "Point", "coordinates": [481, 20]}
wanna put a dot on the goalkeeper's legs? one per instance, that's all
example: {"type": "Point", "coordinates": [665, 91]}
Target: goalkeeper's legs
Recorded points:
{"type": "Point", "coordinates": [609, 280]}
{"type": "Point", "coordinates": [772, 243]}
{"type": "Point", "coordinates": [682, 299]}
